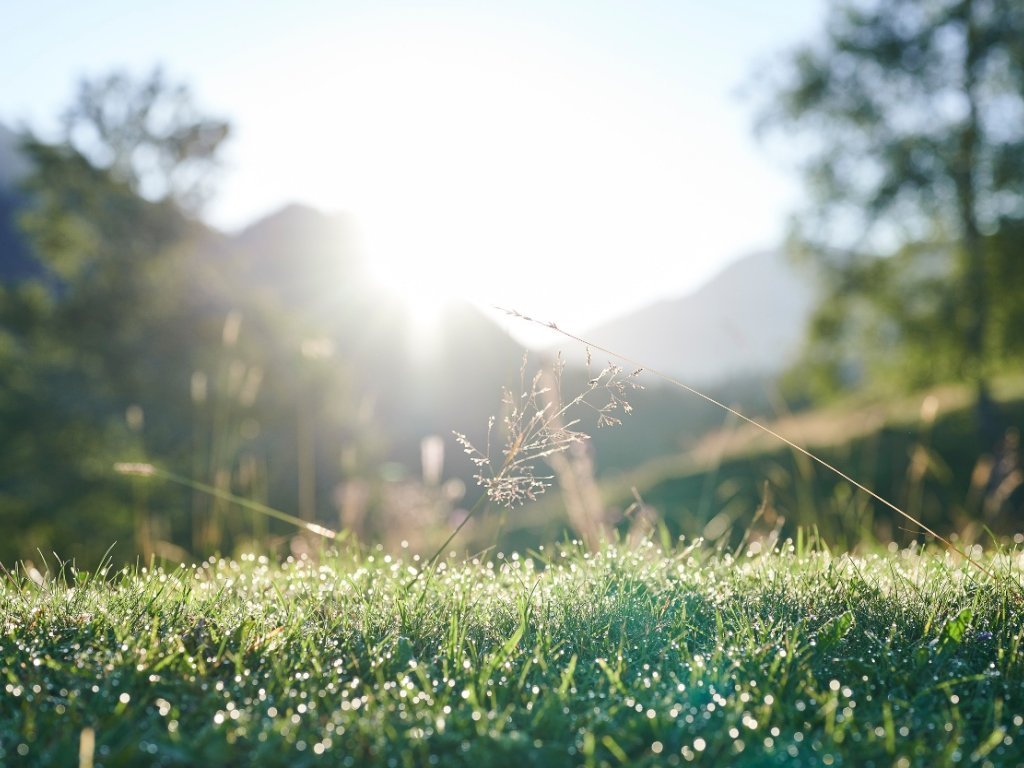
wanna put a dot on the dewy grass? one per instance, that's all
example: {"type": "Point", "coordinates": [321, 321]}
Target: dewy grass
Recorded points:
{"type": "Point", "coordinates": [563, 657]}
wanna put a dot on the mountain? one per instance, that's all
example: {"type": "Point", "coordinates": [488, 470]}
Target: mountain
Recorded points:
{"type": "Point", "coordinates": [15, 262]}
{"type": "Point", "coordinates": [746, 321]}
{"type": "Point", "coordinates": [12, 165]}
{"type": "Point", "coordinates": [299, 265]}
{"type": "Point", "coordinates": [302, 252]}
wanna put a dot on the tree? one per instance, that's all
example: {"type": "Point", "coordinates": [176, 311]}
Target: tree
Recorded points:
{"type": "Point", "coordinates": [148, 133]}
{"type": "Point", "coordinates": [99, 337]}
{"type": "Point", "coordinates": [142, 335]}
{"type": "Point", "coordinates": [911, 116]}
{"type": "Point", "coordinates": [104, 245]}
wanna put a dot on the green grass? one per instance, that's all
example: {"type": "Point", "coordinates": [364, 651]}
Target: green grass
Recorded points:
{"type": "Point", "coordinates": [558, 658]}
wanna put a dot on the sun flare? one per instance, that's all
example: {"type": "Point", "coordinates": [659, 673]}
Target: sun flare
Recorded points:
{"type": "Point", "coordinates": [482, 177]}
{"type": "Point", "coordinates": [477, 173]}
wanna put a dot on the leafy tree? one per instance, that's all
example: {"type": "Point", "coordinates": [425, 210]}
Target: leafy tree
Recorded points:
{"type": "Point", "coordinates": [148, 133]}
{"type": "Point", "coordinates": [140, 334]}
{"type": "Point", "coordinates": [97, 341]}
{"type": "Point", "coordinates": [910, 115]}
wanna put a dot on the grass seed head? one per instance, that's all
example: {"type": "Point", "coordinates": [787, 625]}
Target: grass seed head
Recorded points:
{"type": "Point", "coordinates": [538, 422]}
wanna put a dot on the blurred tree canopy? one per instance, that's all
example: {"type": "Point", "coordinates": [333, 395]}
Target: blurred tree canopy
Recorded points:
{"type": "Point", "coordinates": [140, 335]}
{"type": "Point", "coordinates": [910, 121]}
{"type": "Point", "coordinates": [96, 335]}
{"type": "Point", "coordinates": [149, 134]}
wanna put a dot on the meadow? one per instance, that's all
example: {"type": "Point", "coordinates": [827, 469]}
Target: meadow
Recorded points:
{"type": "Point", "coordinates": [614, 651]}
{"type": "Point", "coordinates": [624, 655]}
{"type": "Point", "coordinates": [259, 419]}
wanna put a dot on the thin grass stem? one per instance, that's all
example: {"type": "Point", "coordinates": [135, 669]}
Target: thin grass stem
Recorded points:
{"type": "Point", "coordinates": [150, 470]}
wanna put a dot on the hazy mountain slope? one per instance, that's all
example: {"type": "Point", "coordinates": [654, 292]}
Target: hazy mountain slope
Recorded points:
{"type": "Point", "coordinates": [15, 262]}
{"type": "Point", "coordinates": [749, 319]}
{"type": "Point", "coordinates": [12, 165]}
{"type": "Point", "coordinates": [300, 266]}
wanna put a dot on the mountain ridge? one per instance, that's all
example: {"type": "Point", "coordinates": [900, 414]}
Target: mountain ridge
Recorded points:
{"type": "Point", "coordinates": [747, 320]}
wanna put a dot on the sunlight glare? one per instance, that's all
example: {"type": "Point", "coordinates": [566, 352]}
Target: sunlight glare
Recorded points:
{"type": "Point", "coordinates": [537, 183]}
{"type": "Point", "coordinates": [484, 179]}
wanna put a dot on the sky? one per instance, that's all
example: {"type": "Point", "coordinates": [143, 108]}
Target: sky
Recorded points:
{"type": "Point", "coordinates": [572, 160]}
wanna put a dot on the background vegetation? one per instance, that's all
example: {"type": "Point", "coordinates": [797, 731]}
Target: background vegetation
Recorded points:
{"type": "Point", "coordinates": [696, 590]}
{"type": "Point", "coordinates": [267, 365]}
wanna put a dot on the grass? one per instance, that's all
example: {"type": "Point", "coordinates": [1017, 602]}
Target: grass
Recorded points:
{"type": "Point", "coordinates": [560, 657]}
{"type": "Point", "coordinates": [577, 655]}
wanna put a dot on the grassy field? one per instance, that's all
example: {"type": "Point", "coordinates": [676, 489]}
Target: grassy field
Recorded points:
{"type": "Point", "coordinates": [624, 656]}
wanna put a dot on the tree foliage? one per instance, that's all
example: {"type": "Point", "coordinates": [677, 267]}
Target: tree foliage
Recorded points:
{"type": "Point", "coordinates": [148, 133]}
{"type": "Point", "coordinates": [910, 120]}
{"type": "Point", "coordinates": [97, 340]}
{"type": "Point", "coordinates": [85, 347]}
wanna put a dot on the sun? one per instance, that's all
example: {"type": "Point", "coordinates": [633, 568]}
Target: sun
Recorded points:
{"type": "Point", "coordinates": [476, 174]}
{"type": "Point", "coordinates": [411, 264]}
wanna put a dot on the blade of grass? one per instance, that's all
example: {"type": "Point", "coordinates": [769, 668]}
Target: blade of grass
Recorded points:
{"type": "Point", "coordinates": [149, 470]}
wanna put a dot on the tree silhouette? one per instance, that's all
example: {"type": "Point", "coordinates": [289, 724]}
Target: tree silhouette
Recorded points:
{"type": "Point", "coordinates": [148, 133]}
{"type": "Point", "coordinates": [910, 118]}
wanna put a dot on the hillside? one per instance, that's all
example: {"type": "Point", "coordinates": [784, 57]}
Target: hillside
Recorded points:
{"type": "Point", "coordinates": [747, 320]}
{"type": "Point", "coordinates": [277, 355]}
{"type": "Point", "coordinates": [15, 263]}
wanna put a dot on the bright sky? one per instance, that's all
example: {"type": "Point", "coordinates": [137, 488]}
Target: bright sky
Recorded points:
{"type": "Point", "coordinates": [572, 160]}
